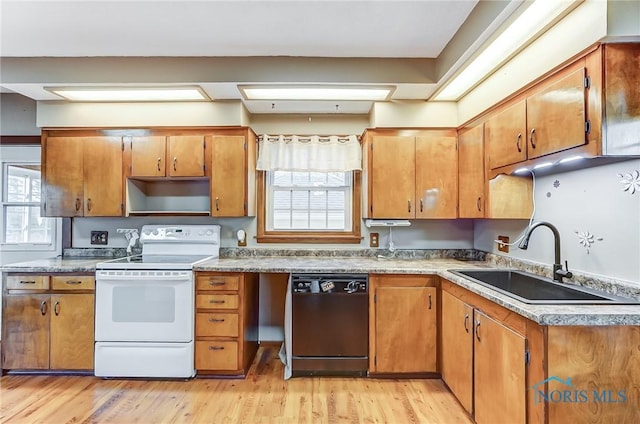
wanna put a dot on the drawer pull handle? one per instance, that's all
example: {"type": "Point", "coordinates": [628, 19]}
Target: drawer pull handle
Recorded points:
{"type": "Point", "coordinates": [478, 330]}
{"type": "Point", "coordinates": [466, 322]}
{"type": "Point", "coordinates": [159, 164]}
{"type": "Point", "coordinates": [27, 282]}
{"type": "Point", "coordinates": [478, 204]}
{"type": "Point", "coordinates": [217, 203]}
{"type": "Point", "coordinates": [518, 142]}
{"type": "Point", "coordinates": [532, 139]}
{"type": "Point", "coordinates": [43, 308]}
{"type": "Point", "coordinates": [56, 308]}
{"type": "Point", "coordinates": [217, 283]}
{"type": "Point", "coordinates": [78, 203]}
{"type": "Point", "coordinates": [73, 283]}
{"type": "Point", "coordinates": [216, 347]}
{"type": "Point", "coordinates": [430, 304]}
{"type": "Point", "coordinates": [216, 320]}
{"type": "Point", "coordinates": [175, 162]}
{"type": "Point", "coordinates": [217, 301]}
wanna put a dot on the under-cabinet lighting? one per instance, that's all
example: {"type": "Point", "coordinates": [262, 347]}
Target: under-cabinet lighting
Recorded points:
{"type": "Point", "coordinates": [129, 94]}
{"type": "Point", "coordinates": [571, 159]}
{"type": "Point", "coordinates": [543, 165]}
{"type": "Point", "coordinates": [318, 92]}
{"type": "Point", "coordinates": [521, 171]}
{"type": "Point", "coordinates": [522, 31]}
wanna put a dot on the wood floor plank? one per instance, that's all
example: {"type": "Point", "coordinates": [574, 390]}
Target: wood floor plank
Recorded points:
{"type": "Point", "coordinates": [263, 397]}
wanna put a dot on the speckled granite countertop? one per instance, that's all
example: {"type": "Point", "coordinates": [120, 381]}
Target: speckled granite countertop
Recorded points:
{"type": "Point", "coordinates": [542, 314]}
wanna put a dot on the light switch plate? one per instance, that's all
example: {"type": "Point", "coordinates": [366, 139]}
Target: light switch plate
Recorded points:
{"type": "Point", "coordinates": [503, 246]}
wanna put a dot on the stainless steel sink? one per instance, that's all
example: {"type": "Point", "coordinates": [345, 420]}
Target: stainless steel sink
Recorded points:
{"type": "Point", "coordinates": [533, 289]}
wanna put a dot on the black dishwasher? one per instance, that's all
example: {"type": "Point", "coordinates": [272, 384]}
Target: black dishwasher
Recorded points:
{"type": "Point", "coordinates": [329, 324]}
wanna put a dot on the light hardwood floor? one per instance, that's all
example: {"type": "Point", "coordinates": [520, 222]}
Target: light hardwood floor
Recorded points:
{"type": "Point", "coordinates": [263, 397]}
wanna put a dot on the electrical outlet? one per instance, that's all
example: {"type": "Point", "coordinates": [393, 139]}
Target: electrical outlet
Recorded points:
{"type": "Point", "coordinates": [99, 237]}
{"type": "Point", "coordinates": [503, 246]}
{"type": "Point", "coordinates": [374, 239]}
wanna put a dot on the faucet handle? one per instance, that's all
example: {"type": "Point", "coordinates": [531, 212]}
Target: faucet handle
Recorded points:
{"type": "Point", "coordinates": [565, 272]}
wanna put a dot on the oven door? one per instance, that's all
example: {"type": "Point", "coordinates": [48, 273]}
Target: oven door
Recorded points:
{"type": "Point", "coordinates": [144, 306]}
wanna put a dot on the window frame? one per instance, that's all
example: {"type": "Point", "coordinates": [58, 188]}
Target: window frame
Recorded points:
{"type": "Point", "coordinates": [309, 236]}
{"type": "Point", "coordinates": [51, 246]}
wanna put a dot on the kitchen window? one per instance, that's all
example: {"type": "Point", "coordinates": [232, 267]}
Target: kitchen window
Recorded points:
{"type": "Point", "coordinates": [309, 189]}
{"type": "Point", "coordinates": [22, 226]}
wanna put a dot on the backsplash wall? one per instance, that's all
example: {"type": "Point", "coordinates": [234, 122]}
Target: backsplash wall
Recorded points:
{"type": "Point", "coordinates": [596, 211]}
{"type": "Point", "coordinates": [432, 234]}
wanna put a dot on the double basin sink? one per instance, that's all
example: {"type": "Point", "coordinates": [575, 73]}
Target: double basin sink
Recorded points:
{"type": "Point", "coordinates": [533, 289]}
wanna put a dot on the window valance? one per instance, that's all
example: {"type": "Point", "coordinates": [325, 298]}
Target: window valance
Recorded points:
{"type": "Point", "coordinates": [309, 153]}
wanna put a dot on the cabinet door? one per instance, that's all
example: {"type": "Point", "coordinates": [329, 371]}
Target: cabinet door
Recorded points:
{"type": "Point", "coordinates": [72, 331]}
{"type": "Point", "coordinates": [228, 176]}
{"type": "Point", "coordinates": [148, 156]}
{"type": "Point", "coordinates": [499, 370]}
{"type": "Point", "coordinates": [102, 176]}
{"type": "Point", "coordinates": [507, 137]}
{"type": "Point", "coordinates": [25, 341]}
{"type": "Point", "coordinates": [63, 188]}
{"type": "Point", "coordinates": [437, 175]}
{"type": "Point", "coordinates": [406, 327]}
{"type": "Point", "coordinates": [186, 156]}
{"type": "Point", "coordinates": [556, 116]}
{"type": "Point", "coordinates": [471, 178]}
{"type": "Point", "coordinates": [392, 177]}
{"type": "Point", "coordinates": [457, 348]}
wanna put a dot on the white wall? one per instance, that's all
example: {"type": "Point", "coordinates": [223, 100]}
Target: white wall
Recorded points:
{"type": "Point", "coordinates": [17, 115]}
{"type": "Point", "coordinates": [590, 201]}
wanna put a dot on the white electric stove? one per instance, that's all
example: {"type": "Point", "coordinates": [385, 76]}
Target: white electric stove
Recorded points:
{"type": "Point", "coordinates": [145, 304]}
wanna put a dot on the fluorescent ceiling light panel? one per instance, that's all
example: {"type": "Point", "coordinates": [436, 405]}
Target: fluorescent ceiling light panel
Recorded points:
{"type": "Point", "coordinates": [129, 94]}
{"type": "Point", "coordinates": [540, 14]}
{"type": "Point", "coordinates": [315, 93]}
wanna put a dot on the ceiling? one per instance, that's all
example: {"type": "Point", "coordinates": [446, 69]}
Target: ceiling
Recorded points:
{"type": "Point", "coordinates": [412, 45]}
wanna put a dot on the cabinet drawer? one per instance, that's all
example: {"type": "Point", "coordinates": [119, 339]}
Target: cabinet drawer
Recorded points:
{"type": "Point", "coordinates": [28, 282]}
{"type": "Point", "coordinates": [217, 301]}
{"type": "Point", "coordinates": [73, 282]}
{"type": "Point", "coordinates": [213, 324]}
{"type": "Point", "coordinates": [217, 282]}
{"type": "Point", "coordinates": [216, 355]}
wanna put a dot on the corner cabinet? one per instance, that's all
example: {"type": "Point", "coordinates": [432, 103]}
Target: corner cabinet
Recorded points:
{"type": "Point", "coordinates": [410, 174]}
{"type": "Point", "coordinates": [403, 322]}
{"type": "Point", "coordinates": [48, 322]}
{"type": "Point", "coordinates": [82, 175]}
{"type": "Point", "coordinates": [226, 322]}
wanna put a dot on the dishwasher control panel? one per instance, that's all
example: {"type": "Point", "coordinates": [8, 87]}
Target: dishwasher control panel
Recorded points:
{"type": "Point", "coordinates": [325, 284]}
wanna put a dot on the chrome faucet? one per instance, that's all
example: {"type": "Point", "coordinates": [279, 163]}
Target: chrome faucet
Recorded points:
{"type": "Point", "coordinates": [558, 271]}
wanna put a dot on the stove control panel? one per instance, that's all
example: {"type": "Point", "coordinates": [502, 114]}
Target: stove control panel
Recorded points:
{"type": "Point", "coordinates": [180, 234]}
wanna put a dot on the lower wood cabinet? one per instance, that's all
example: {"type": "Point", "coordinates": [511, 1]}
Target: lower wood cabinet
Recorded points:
{"type": "Point", "coordinates": [403, 322]}
{"type": "Point", "coordinates": [226, 322]}
{"type": "Point", "coordinates": [48, 322]}
{"type": "Point", "coordinates": [483, 363]}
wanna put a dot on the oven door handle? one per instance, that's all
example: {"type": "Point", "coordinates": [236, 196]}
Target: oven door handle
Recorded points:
{"type": "Point", "coordinates": [151, 278]}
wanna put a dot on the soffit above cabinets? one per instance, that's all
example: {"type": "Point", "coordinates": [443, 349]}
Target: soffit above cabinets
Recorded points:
{"type": "Point", "coordinates": [220, 44]}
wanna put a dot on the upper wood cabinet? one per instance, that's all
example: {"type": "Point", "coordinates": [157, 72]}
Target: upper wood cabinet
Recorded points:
{"type": "Point", "coordinates": [167, 156]}
{"type": "Point", "coordinates": [233, 158]}
{"type": "Point", "coordinates": [550, 119]}
{"type": "Point", "coordinates": [471, 175]}
{"type": "Point", "coordinates": [82, 175]}
{"type": "Point", "coordinates": [410, 176]}
{"type": "Point", "coordinates": [403, 324]}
